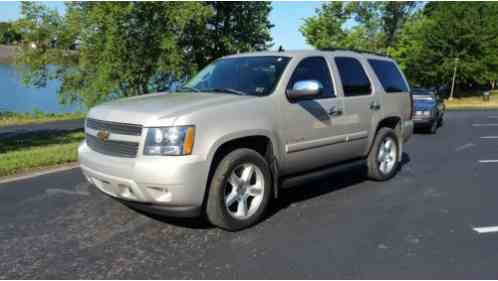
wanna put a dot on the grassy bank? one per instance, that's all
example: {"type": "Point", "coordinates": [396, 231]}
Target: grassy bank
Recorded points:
{"type": "Point", "coordinates": [9, 118]}
{"type": "Point", "coordinates": [473, 102]}
{"type": "Point", "coordinates": [38, 150]}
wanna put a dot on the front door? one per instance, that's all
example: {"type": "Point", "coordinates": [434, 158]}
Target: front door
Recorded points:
{"type": "Point", "coordinates": [315, 129]}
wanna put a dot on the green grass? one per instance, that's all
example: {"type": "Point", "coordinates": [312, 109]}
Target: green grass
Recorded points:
{"type": "Point", "coordinates": [10, 119]}
{"type": "Point", "coordinates": [473, 102]}
{"type": "Point", "coordinates": [38, 150]}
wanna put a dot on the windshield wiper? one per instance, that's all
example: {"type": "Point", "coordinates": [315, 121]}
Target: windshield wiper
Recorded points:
{"type": "Point", "coordinates": [188, 88]}
{"type": "Point", "coordinates": [227, 90]}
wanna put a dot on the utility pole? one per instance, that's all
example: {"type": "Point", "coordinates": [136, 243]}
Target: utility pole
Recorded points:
{"type": "Point", "coordinates": [454, 76]}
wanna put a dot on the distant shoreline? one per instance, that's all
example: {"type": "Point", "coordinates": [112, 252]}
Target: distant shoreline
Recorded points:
{"type": "Point", "coordinates": [7, 54]}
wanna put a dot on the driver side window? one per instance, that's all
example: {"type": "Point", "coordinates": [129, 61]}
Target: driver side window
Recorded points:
{"type": "Point", "coordinates": [314, 68]}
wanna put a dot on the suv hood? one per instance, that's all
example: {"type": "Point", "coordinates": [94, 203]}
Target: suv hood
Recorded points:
{"type": "Point", "coordinates": [158, 109]}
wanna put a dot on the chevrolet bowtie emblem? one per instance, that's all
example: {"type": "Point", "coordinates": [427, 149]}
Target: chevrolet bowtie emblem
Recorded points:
{"type": "Point", "coordinates": [103, 135]}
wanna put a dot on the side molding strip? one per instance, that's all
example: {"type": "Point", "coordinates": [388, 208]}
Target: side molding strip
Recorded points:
{"type": "Point", "coordinates": [305, 145]}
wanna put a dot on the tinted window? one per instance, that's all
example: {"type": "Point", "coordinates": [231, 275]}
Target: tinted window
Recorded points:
{"type": "Point", "coordinates": [314, 68]}
{"type": "Point", "coordinates": [354, 80]}
{"type": "Point", "coordinates": [389, 76]}
{"type": "Point", "coordinates": [251, 75]}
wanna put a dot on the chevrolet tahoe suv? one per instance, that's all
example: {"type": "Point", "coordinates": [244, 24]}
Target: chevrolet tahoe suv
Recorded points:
{"type": "Point", "coordinates": [245, 127]}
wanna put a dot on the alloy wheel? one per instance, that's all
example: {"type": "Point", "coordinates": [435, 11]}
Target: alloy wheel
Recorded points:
{"type": "Point", "coordinates": [387, 155]}
{"type": "Point", "coordinates": [244, 191]}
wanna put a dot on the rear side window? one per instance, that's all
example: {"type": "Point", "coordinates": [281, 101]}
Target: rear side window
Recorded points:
{"type": "Point", "coordinates": [354, 79]}
{"type": "Point", "coordinates": [314, 68]}
{"type": "Point", "coordinates": [389, 76]}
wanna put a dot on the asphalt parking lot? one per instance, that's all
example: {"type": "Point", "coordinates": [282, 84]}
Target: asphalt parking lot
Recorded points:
{"type": "Point", "coordinates": [427, 222]}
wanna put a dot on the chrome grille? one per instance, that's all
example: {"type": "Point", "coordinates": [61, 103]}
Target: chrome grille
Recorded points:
{"type": "Point", "coordinates": [113, 127]}
{"type": "Point", "coordinates": [112, 148]}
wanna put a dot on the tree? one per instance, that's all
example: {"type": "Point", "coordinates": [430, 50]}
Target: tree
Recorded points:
{"type": "Point", "coordinates": [433, 40]}
{"type": "Point", "coordinates": [106, 50]}
{"type": "Point", "coordinates": [233, 27]}
{"type": "Point", "coordinates": [325, 29]}
{"type": "Point", "coordinates": [410, 51]}
{"type": "Point", "coordinates": [123, 47]}
{"type": "Point", "coordinates": [393, 16]}
{"type": "Point", "coordinates": [375, 29]}
{"type": "Point", "coordinates": [8, 35]}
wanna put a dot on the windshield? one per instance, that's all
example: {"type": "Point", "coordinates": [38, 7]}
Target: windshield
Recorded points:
{"type": "Point", "coordinates": [256, 76]}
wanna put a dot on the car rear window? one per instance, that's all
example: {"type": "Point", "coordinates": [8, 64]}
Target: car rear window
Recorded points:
{"type": "Point", "coordinates": [389, 76]}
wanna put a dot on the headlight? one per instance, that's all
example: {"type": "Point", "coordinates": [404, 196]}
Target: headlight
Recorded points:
{"type": "Point", "coordinates": [427, 113]}
{"type": "Point", "coordinates": [169, 141]}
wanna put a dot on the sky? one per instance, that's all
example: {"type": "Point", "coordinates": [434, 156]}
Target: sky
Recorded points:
{"type": "Point", "coordinates": [286, 16]}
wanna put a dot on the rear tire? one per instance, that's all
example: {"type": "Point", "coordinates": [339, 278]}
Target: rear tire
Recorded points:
{"type": "Point", "coordinates": [240, 190]}
{"type": "Point", "coordinates": [383, 159]}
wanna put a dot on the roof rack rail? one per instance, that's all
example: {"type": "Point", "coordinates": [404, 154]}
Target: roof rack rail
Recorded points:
{"type": "Point", "coordinates": [355, 50]}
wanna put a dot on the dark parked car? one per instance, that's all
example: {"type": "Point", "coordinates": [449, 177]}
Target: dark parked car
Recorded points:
{"type": "Point", "coordinates": [428, 110]}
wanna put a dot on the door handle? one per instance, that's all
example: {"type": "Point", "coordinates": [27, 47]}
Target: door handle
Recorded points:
{"type": "Point", "coordinates": [374, 105]}
{"type": "Point", "coordinates": [334, 111]}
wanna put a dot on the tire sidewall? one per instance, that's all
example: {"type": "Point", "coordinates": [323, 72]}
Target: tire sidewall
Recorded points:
{"type": "Point", "coordinates": [216, 209]}
{"type": "Point", "coordinates": [377, 174]}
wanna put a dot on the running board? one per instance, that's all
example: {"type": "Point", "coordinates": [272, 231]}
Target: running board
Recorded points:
{"type": "Point", "coordinates": [299, 179]}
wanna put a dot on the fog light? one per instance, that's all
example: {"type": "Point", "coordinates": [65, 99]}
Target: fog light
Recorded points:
{"type": "Point", "coordinates": [125, 190]}
{"type": "Point", "coordinates": [159, 193]}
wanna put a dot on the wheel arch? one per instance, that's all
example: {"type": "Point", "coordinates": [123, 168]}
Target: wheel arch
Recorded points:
{"type": "Point", "coordinates": [393, 122]}
{"type": "Point", "coordinates": [261, 141]}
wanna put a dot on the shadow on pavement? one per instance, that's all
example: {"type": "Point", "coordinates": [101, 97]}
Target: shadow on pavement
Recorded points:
{"type": "Point", "coordinates": [289, 196]}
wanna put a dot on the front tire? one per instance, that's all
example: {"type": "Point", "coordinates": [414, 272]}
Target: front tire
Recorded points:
{"type": "Point", "coordinates": [240, 190]}
{"type": "Point", "coordinates": [383, 159]}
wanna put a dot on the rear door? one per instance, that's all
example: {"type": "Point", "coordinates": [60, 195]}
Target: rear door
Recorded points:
{"type": "Point", "coordinates": [397, 99]}
{"type": "Point", "coordinates": [362, 106]}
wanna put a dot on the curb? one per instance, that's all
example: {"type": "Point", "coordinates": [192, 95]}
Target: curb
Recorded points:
{"type": "Point", "coordinates": [47, 171]}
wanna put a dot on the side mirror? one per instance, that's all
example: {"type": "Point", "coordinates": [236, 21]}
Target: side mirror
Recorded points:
{"type": "Point", "coordinates": [305, 89]}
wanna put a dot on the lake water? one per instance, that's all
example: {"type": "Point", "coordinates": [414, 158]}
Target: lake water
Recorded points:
{"type": "Point", "coordinates": [15, 97]}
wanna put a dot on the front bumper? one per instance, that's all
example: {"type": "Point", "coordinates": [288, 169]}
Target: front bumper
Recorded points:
{"type": "Point", "coordinates": [161, 184]}
{"type": "Point", "coordinates": [423, 121]}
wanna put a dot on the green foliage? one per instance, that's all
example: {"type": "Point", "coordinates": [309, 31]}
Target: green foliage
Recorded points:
{"type": "Point", "coordinates": [410, 52]}
{"type": "Point", "coordinates": [425, 42]}
{"type": "Point", "coordinates": [104, 50]}
{"type": "Point", "coordinates": [233, 27]}
{"type": "Point", "coordinates": [377, 24]}
{"type": "Point", "coordinates": [8, 35]}
{"type": "Point", "coordinates": [325, 29]}
{"type": "Point", "coordinates": [435, 38]}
